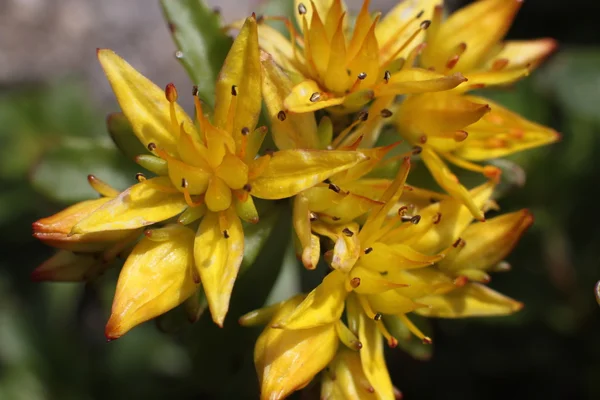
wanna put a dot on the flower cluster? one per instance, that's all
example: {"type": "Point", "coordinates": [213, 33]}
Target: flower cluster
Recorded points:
{"type": "Point", "coordinates": [393, 250]}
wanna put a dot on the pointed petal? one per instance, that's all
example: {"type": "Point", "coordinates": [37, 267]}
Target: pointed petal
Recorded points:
{"type": "Point", "coordinates": [447, 180]}
{"type": "Point", "coordinates": [372, 358]}
{"type": "Point", "coordinates": [523, 53]}
{"type": "Point", "coordinates": [488, 243]}
{"type": "Point", "coordinates": [346, 250]}
{"type": "Point", "coordinates": [415, 80]}
{"type": "Point", "coordinates": [289, 130]}
{"type": "Point", "coordinates": [242, 70]}
{"type": "Point", "coordinates": [324, 305]}
{"type": "Point", "coordinates": [156, 277]}
{"type": "Point", "coordinates": [291, 171]}
{"type": "Point", "coordinates": [392, 302]}
{"type": "Point", "coordinates": [503, 132]}
{"type": "Point", "coordinates": [218, 252]}
{"type": "Point", "coordinates": [437, 116]}
{"type": "Point", "coordinates": [471, 300]}
{"type": "Point", "coordinates": [345, 378]}
{"type": "Point", "coordinates": [143, 204]}
{"type": "Point", "coordinates": [302, 226]}
{"type": "Point", "coordinates": [479, 25]}
{"type": "Point", "coordinates": [371, 281]}
{"type": "Point", "coordinates": [478, 80]}
{"type": "Point", "coordinates": [287, 360]}
{"type": "Point", "coordinates": [396, 256]}
{"type": "Point", "coordinates": [316, 45]}
{"type": "Point", "coordinates": [366, 58]}
{"type": "Point", "coordinates": [143, 103]}
{"type": "Point", "coordinates": [299, 100]}
{"type": "Point", "coordinates": [336, 78]}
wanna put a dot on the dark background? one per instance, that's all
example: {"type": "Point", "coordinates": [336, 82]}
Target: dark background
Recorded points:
{"type": "Point", "coordinates": [52, 104]}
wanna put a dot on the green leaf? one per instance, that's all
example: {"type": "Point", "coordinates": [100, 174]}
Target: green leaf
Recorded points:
{"type": "Point", "coordinates": [202, 42]}
{"type": "Point", "coordinates": [62, 172]}
{"type": "Point", "coordinates": [121, 133]}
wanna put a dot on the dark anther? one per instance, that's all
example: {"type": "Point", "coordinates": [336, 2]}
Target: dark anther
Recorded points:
{"type": "Point", "coordinates": [385, 113]}
{"type": "Point", "coordinates": [313, 217]}
{"type": "Point", "coordinates": [423, 139]}
{"type": "Point", "coordinates": [368, 250]}
{"type": "Point", "coordinates": [363, 116]}
{"type": "Point", "coordinates": [437, 218]}
{"type": "Point", "coordinates": [226, 234]}
{"type": "Point", "coordinates": [151, 146]}
{"type": "Point", "coordinates": [425, 24]}
{"type": "Point", "coordinates": [281, 115]}
{"type": "Point", "coordinates": [355, 282]}
{"type": "Point", "coordinates": [335, 218]}
{"type": "Point", "coordinates": [247, 187]}
{"type": "Point", "coordinates": [269, 151]}
{"type": "Point", "coordinates": [301, 9]}
{"type": "Point", "coordinates": [315, 97]}
{"type": "Point", "coordinates": [387, 75]}
{"type": "Point", "coordinates": [233, 90]}
{"type": "Point", "coordinates": [383, 273]}
{"type": "Point", "coordinates": [140, 177]}
{"type": "Point", "coordinates": [457, 243]}
{"type": "Point", "coordinates": [415, 220]}
{"type": "Point", "coordinates": [417, 150]}
{"type": "Point", "coordinates": [402, 210]}
{"type": "Point", "coordinates": [327, 181]}
{"type": "Point", "coordinates": [378, 316]}
{"type": "Point", "coordinates": [334, 187]}
{"type": "Point", "coordinates": [362, 75]}
{"type": "Point", "coordinates": [348, 232]}
{"type": "Point", "coordinates": [194, 90]}
{"type": "Point", "coordinates": [245, 131]}
{"type": "Point", "coordinates": [184, 183]}
{"type": "Point", "coordinates": [420, 14]}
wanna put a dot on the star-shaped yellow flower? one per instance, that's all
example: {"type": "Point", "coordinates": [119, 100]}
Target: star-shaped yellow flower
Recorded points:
{"type": "Point", "coordinates": [208, 172]}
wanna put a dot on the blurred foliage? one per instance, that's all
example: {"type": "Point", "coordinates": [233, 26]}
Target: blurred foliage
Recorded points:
{"type": "Point", "coordinates": [51, 335]}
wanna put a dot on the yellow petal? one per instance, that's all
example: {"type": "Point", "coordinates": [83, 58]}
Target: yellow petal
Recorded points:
{"type": "Point", "coordinates": [233, 171]}
{"type": "Point", "coordinates": [246, 209]}
{"type": "Point", "coordinates": [395, 28]}
{"type": "Point", "coordinates": [346, 250]}
{"type": "Point", "coordinates": [299, 100]}
{"type": "Point", "coordinates": [288, 56]}
{"type": "Point", "coordinates": [291, 171]}
{"type": "Point", "coordinates": [372, 358]}
{"type": "Point", "coordinates": [218, 252]}
{"type": "Point", "coordinates": [143, 204]}
{"type": "Point", "coordinates": [447, 180]}
{"type": "Point", "coordinates": [289, 130]}
{"type": "Point", "coordinates": [348, 209]}
{"type": "Point", "coordinates": [156, 277]}
{"type": "Point", "coordinates": [366, 59]}
{"type": "Point", "coordinates": [392, 302]}
{"type": "Point", "coordinates": [302, 226]}
{"type": "Point", "coordinates": [415, 80]}
{"type": "Point", "coordinates": [322, 6]}
{"type": "Point", "coordinates": [336, 78]}
{"type": "Point", "coordinates": [196, 178]}
{"type": "Point", "coordinates": [478, 80]}
{"type": "Point", "coordinates": [383, 257]}
{"type": "Point", "coordinates": [316, 45]}
{"type": "Point", "coordinates": [471, 300]}
{"type": "Point", "coordinates": [368, 281]}
{"type": "Point", "coordinates": [503, 132]}
{"type": "Point", "coordinates": [143, 103]}
{"type": "Point", "coordinates": [487, 243]}
{"type": "Point", "coordinates": [345, 378]}
{"type": "Point", "coordinates": [420, 282]}
{"type": "Point", "coordinates": [523, 53]}
{"type": "Point", "coordinates": [286, 360]}
{"type": "Point", "coordinates": [324, 305]}
{"type": "Point", "coordinates": [374, 156]}
{"type": "Point", "coordinates": [480, 26]}
{"type": "Point", "coordinates": [218, 195]}
{"type": "Point", "coordinates": [438, 116]}
{"type": "Point", "coordinates": [242, 70]}
{"type": "Point", "coordinates": [63, 221]}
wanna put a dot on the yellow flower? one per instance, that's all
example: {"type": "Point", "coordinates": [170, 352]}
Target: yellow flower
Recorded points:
{"type": "Point", "coordinates": [470, 41]}
{"type": "Point", "coordinates": [81, 256]}
{"type": "Point", "coordinates": [461, 129]}
{"type": "Point", "coordinates": [333, 68]}
{"type": "Point", "coordinates": [210, 172]}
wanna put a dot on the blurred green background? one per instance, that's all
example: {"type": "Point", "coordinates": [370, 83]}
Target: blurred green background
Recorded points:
{"type": "Point", "coordinates": [52, 134]}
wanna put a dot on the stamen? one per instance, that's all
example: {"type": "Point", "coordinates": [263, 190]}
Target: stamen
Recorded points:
{"type": "Point", "coordinates": [361, 117]}
{"type": "Point", "coordinates": [281, 115]}
{"type": "Point", "coordinates": [387, 75]}
{"type": "Point", "coordinates": [437, 218]}
{"type": "Point", "coordinates": [414, 330]}
{"type": "Point", "coordinates": [301, 9]}
{"type": "Point", "coordinates": [316, 96]}
{"type": "Point", "coordinates": [392, 341]}
{"type": "Point", "coordinates": [336, 218]}
{"type": "Point", "coordinates": [417, 150]}
{"type": "Point", "coordinates": [232, 108]}
{"type": "Point", "coordinates": [140, 177]}
{"type": "Point", "coordinates": [226, 234]}
{"type": "Point", "coordinates": [425, 24]}
{"type": "Point", "coordinates": [348, 232]}
{"type": "Point", "coordinates": [312, 217]}
{"type": "Point", "coordinates": [171, 95]}
{"type": "Point", "coordinates": [247, 187]}
{"type": "Point", "coordinates": [500, 64]}
{"type": "Point", "coordinates": [355, 282]}
{"type": "Point", "coordinates": [334, 187]}
{"type": "Point", "coordinates": [202, 121]}
{"type": "Point", "coordinates": [102, 187]}
{"type": "Point", "coordinates": [362, 76]}
{"type": "Point", "coordinates": [423, 139]}
{"type": "Point", "coordinates": [186, 194]}
{"type": "Point", "coordinates": [385, 113]}
{"type": "Point", "coordinates": [368, 250]}
{"type": "Point", "coordinates": [151, 146]}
